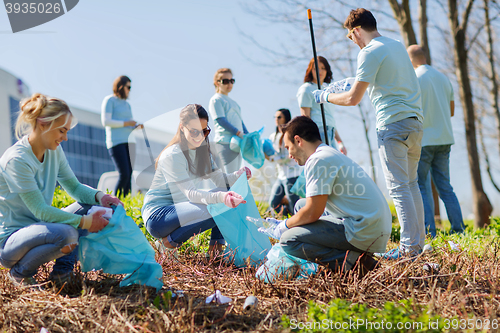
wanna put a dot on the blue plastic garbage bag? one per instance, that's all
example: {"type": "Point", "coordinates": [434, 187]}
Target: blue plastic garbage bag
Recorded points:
{"type": "Point", "coordinates": [121, 248]}
{"type": "Point", "coordinates": [278, 264]}
{"type": "Point", "coordinates": [299, 188]}
{"type": "Point", "coordinates": [242, 237]}
{"type": "Point", "coordinates": [251, 149]}
{"type": "Point", "coordinates": [267, 146]}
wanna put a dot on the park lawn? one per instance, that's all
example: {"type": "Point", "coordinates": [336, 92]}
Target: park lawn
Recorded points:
{"type": "Point", "coordinates": [398, 297]}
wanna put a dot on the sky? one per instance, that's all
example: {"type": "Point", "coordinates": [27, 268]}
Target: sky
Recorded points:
{"type": "Point", "coordinates": [171, 50]}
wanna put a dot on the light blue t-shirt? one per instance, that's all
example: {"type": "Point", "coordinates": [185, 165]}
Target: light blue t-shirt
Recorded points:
{"type": "Point", "coordinates": [305, 98]}
{"type": "Point", "coordinates": [437, 93]}
{"type": "Point", "coordinates": [352, 196]}
{"type": "Point", "coordinates": [120, 110]}
{"type": "Point", "coordinates": [394, 90]}
{"type": "Point", "coordinates": [219, 106]}
{"type": "Point", "coordinates": [21, 172]}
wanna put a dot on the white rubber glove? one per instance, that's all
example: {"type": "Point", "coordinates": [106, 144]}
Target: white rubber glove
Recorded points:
{"type": "Point", "coordinates": [277, 228]}
{"type": "Point", "coordinates": [321, 96]}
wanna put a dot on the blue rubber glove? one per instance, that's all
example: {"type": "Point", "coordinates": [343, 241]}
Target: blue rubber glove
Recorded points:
{"type": "Point", "coordinates": [321, 96]}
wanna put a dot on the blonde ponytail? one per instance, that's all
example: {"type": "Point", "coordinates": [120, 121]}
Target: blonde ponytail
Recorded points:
{"type": "Point", "coordinates": [39, 107]}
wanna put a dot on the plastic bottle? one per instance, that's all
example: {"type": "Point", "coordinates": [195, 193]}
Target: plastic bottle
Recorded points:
{"type": "Point", "coordinates": [264, 224]}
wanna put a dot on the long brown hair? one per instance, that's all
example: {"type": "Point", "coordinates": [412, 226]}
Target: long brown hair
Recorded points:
{"type": "Point", "coordinates": [119, 86]}
{"type": "Point", "coordinates": [203, 159]}
{"type": "Point", "coordinates": [310, 68]}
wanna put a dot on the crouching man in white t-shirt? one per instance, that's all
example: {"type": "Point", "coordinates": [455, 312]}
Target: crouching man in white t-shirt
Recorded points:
{"type": "Point", "coordinates": [344, 217]}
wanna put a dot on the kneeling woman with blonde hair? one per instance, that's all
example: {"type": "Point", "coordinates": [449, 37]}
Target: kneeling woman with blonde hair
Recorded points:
{"type": "Point", "coordinates": [175, 208]}
{"type": "Point", "coordinates": [32, 232]}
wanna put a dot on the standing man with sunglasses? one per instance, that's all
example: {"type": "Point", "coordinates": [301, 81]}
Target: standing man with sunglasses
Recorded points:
{"type": "Point", "coordinates": [385, 71]}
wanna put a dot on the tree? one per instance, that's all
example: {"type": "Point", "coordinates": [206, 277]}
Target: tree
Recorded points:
{"type": "Point", "coordinates": [481, 205]}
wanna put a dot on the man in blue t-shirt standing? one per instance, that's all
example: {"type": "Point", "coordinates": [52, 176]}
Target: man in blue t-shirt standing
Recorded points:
{"type": "Point", "coordinates": [438, 106]}
{"type": "Point", "coordinates": [385, 71]}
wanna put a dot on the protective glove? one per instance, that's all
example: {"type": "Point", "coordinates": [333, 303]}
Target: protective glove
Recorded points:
{"type": "Point", "coordinates": [321, 96]}
{"type": "Point", "coordinates": [107, 200]}
{"type": "Point", "coordinates": [276, 229]}
{"type": "Point", "coordinates": [244, 170]}
{"type": "Point", "coordinates": [233, 199]}
{"type": "Point", "coordinates": [94, 222]}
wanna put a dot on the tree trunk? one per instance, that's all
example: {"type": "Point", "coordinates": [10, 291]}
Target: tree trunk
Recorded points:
{"type": "Point", "coordinates": [403, 16]}
{"type": "Point", "coordinates": [481, 205]}
{"type": "Point", "coordinates": [422, 21]}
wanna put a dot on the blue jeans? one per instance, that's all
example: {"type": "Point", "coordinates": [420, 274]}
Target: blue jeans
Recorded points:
{"type": "Point", "coordinates": [122, 156]}
{"type": "Point", "coordinates": [399, 146]}
{"type": "Point", "coordinates": [323, 241]}
{"type": "Point", "coordinates": [32, 246]}
{"type": "Point", "coordinates": [278, 192]}
{"type": "Point", "coordinates": [181, 221]}
{"type": "Point", "coordinates": [330, 131]}
{"type": "Point", "coordinates": [436, 159]}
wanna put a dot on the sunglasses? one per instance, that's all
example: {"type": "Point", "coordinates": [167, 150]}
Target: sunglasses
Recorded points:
{"type": "Point", "coordinates": [194, 133]}
{"type": "Point", "coordinates": [278, 117]}
{"type": "Point", "coordinates": [227, 81]}
{"type": "Point", "coordinates": [129, 87]}
{"type": "Point", "coordinates": [351, 31]}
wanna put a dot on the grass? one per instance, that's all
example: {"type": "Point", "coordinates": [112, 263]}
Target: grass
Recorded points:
{"type": "Point", "coordinates": [463, 295]}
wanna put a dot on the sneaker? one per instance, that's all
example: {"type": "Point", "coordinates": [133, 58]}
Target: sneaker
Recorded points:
{"type": "Point", "coordinates": [396, 254]}
{"type": "Point", "coordinates": [365, 264]}
{"type": "Point", "coordinates": [24, 282]}
{"type": "Point", "coordinates": [165, 250]}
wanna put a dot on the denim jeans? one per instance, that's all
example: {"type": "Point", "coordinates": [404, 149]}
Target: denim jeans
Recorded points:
{"type": "Point", "coordinates": [181, 221]}
{"type": "Point", "coordinates": [278, 192]}
{"type": "Point", "coordinates": [436, 159]}
{"type": "Point", "coordinates": [32, 246]}
{"type": "Point", "coordinates": [228, 160]}
{"type": "Point", "coordinates": [399, 146]}
{"type": "Point", "coordinates": [323, 241]}
{"type": "Point", "coordinates": [122, 156]}
{"type": "Point", "coordinates": [330, 131]}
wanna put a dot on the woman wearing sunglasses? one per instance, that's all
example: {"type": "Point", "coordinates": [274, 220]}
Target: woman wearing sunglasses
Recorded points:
{"type": "Point", "coordinates": [227, 118]}
{"type": "Point", "coordinates": [309, 107]}
{"type": "Point", "coordinates": [288, 169]}
{"type": "Point", "coordinates": [116, 117]}
{"type": "Point", "coordinates": [175, 208]}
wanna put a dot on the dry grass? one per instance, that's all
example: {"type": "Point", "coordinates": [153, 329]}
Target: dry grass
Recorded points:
{"type": "Point", "coordinates": [466, 286]}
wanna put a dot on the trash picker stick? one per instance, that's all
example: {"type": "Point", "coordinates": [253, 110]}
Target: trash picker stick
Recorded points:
{"type": "Point", "coordinates": [309, 16]}
{"type": "Point", "coordinates": [147, 144]}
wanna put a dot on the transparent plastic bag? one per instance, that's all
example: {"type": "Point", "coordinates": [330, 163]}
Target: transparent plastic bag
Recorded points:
{"type": "Point", "coordinates": [121, 248]}
{"type": "Point", "coordinates": [280, 264]}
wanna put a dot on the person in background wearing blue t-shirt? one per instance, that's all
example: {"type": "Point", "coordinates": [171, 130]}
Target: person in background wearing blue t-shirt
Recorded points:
{"type": "Point", "coordinates": [288, 169]}
{"type": "Point", "coordinates": [344, 217]}
{"type": "Point", "coordinates": [309, 108]}
{"type": "Point", "coordinates": [385, 71]}
{"type": "Point", "coordinates": [32, 232]}
{"type": "Point", "coordinates": [226, 114]}
{"type": "Point", "coordinates": [116, 117]}
{"type": "Point", "coordinates": [175, 207]}
{"type": "Point", "coordinates": [438, 106]}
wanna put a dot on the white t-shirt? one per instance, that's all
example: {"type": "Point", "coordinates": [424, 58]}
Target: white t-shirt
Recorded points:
{"type": "Point", "coordinates": [437, 93]}
{"type": "Point", "coordinates": [286, 166]}
{"type": "Point", "coordinates": [393, 86]}
{"type": "Point", "coordinates": [221, 105]}
{"type": "Point", "coordinates": [352, 196]}
{"type": "Point", "coordinates": [21, 172]}
{"type": "Point", "coordinates": [305, 98]}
